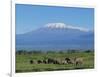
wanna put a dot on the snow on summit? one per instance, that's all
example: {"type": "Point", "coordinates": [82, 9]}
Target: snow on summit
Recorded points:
{"type": "Point", "coordinates": [55, 25]}
{"type": "Point", "coordinates": [64, 26]}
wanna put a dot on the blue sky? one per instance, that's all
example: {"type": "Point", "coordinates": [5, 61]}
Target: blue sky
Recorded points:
{"type": "Point", "coordinates": [31, 17]}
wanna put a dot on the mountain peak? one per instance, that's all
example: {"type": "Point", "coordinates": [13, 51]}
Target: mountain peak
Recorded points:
{"type": "Point", "coordinates": [55, 25]}
{"type": "Point", "coordinates": [64, 26]}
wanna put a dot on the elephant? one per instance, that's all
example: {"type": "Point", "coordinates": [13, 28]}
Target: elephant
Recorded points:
{"type": "Point", "coordinates": [69, 60]}
{"type": "Point", "coordinates": [63, 62]}
{"type": "Point", "coordinates": [78, 61]}
{"type": "Point", "coordinates": [45, 61]}
{"type": "Point", "coordinates": [49, 61]}
{"type": "Point", "coordinates": [31, 62]}
{"type": "Point", "coordinates": [39, 61]}
{"type": "Point", "coordinates": [53, 61]}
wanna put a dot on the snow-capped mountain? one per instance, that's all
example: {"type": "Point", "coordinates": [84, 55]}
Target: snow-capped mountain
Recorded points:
{"type": "Point", "coordinates": [56, 36]}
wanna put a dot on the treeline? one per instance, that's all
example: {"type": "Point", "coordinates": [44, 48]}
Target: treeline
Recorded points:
{"type": "Point", "coordinates": [61, 52]}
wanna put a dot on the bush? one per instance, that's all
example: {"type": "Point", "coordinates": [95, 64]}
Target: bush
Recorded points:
{"type": "Point", "coordinates": [88, 51]}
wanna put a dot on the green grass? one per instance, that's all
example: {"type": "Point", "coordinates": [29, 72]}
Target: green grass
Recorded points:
{"type": "Point", "coordinates": [23, 65]}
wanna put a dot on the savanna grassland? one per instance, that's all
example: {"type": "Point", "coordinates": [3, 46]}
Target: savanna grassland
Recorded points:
{"type": "Point", "coordinates": [28, 61]}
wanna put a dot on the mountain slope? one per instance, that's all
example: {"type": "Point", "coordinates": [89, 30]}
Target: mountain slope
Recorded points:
{"type": "Point", "coordinates": [56, 36]}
